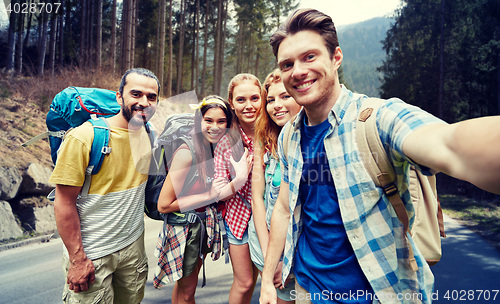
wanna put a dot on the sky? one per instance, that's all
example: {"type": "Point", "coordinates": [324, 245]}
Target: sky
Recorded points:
{"type": "Point", "coordinates": [352, 11]}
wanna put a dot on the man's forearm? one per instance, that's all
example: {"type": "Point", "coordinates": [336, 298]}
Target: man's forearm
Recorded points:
{"type": "Point", "coordinates": [467, 150]}
{"type": "Point", "coordinates": [476, 143]}
{"type": "Point", "coordinates": [276, 242]}
{"type": "Point", "coordinates": [68, 226]}
{"type": "Point", "coordinates": [68, 221]}
{"type": "Point", "coordinates": [81, 271]}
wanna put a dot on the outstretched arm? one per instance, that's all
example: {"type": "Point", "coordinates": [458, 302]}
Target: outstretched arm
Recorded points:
{"type": "Point", "coordinates": [468, 150]}
{"type": "Point", "coordinates": [81, 272]}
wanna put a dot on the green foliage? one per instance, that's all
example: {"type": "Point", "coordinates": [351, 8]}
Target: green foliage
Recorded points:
{"type": "Point", "coordinates": [44, 102]}
{"type": "Point", "coordinates": [480, 216]}
{"type": "Point", "coordinates": [247, 45]}
{"type": "Point", "coordinates": [471, 57]}
{"type": "Point", "coordinates": [4, 93]}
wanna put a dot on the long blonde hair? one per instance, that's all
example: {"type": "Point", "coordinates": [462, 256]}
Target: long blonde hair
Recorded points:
{"type": "Point", "coordinates": [233, 136]}
{"type": "Point", "coordinates": [266, 130]}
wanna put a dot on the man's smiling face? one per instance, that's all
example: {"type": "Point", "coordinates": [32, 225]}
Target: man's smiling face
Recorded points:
{"type": "Point", "coordinates": [307, 68]}
{"type": "Point", "coordinates": [139, 100]}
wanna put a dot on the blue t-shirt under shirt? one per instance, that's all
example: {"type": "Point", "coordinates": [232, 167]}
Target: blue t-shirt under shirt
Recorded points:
{"type": "Point", "coordinates": [325, 264]}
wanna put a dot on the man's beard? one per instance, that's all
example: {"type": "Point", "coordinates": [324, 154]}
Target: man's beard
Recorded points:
{"type": "Point", "coordinates": [136, 120]}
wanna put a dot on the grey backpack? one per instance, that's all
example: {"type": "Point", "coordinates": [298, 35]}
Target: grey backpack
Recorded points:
{"type": "Point", "coordinates": [177, 131]}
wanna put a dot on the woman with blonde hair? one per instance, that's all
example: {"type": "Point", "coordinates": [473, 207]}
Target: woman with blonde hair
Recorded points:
{"type": "Point", "coordinates": [278, 107]}
{"type": "Point", "coordinates": [244, 97]}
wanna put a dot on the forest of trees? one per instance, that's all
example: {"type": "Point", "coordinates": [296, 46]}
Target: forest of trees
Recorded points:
{"type": "Point", "coordinates": [444, 56]}
{"type": "Point", "coordinates": [189, 44]}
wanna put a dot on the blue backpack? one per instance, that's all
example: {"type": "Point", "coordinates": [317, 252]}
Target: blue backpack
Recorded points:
{"type": "Point", "coordinates": [72, 107]}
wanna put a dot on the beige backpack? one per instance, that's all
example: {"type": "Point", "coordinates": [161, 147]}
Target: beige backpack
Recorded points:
{"type": "Point", "coordinates": [428, 226]}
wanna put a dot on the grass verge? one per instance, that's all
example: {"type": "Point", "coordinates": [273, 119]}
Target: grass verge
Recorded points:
{"type": "Point", "coordinates": [482, 217]}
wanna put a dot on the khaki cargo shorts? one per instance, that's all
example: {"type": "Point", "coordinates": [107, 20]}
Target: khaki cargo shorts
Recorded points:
{"type": "Point", "coordinates": [119, 277]}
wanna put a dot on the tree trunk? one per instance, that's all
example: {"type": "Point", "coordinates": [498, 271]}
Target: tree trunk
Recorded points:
{"type": "Point", "coordinates": [250, 54]}
{"type": "Point", "coordinates": [181, 49]}
{"type": "Point", "coordinates": [123, 35]}
{"type": "Point", "coordinates": [19, 42]}
{"type": "Point", "coordinates": [218, 29]}
{"type": "Point", "coordinates": [133, 34]}
{"type": "Point", "coordinates": [43, 43]}
{"type": "Point", "coordinates": [222, 43]}
{"type": "Point", "coordinates": [99, 36]}
{"type": "Point", "coordinates": [197, 48]}
{"type": "Point", "coordinates": [170, 53]}
{"type": "Point", "coordinates": [11, 49]}
{"type": "Point", "coordinates": [162, 42]}
{"type": "Point", "coordinates": [28, 28]}
{"type": "Point", "coordinates": [90, 37]}
{"type": "Point", "coordinates": [158, 29]}
{"type": "Point", "coordinates": [205, 47]}
{"type": "Point", "coordinates": [441, 64]}
{"type": "Point", "coordinates": [69, 28]}
{"type": "Point", "coordinates": [83, 27]}
{"type": "Point", "coordinates": [113, 38]}
{"type": "Point", "coordinates": [257, 57]}
{"type": "Point", "coordinates": [239, 52]}
{"type": "Point", "coordinates": [52, 44]}
{"type": "Point", "coordinates": [61, 36]}
{"type": "Point", "coordinates": [193, 53]}
{"type": "Point", "coordinates": [127, 43]}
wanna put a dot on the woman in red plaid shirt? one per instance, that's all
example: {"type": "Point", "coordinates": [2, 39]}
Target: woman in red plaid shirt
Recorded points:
{"type": "Point", "coordinates": [244, 95]}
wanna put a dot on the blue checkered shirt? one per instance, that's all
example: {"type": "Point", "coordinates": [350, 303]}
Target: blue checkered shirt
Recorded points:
{"type": "Point", "coordinates": [372, 226]}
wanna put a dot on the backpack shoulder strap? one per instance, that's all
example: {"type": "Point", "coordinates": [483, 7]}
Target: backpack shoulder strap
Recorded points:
{"type": "Point", "coordinates": [100, 148]}
{"type": "Point", "coordinates": [193, 171]}
{"type": "Point", "coordinates": [151, 133]}
{"type": "Point", "coordinates": [377, 162]}
{"type": "Point", "coordinates": [100, 145]}
{"type": "Point", "coordinates": [371, 148]}
{"type": "Point", "coordinates": [36, 138]}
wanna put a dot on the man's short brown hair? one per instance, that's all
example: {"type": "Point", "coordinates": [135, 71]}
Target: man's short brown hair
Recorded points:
{"type": "Point", "coordinates": [303, 20]}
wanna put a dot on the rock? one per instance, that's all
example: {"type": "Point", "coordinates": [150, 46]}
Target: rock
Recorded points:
{"type": "Point", "coordinates": [36, 180]}
{"type": "Point", "coordinates": [45, 219]}
{"type": "Point", "coordinates": [9, 228]}
{"type": "Point", "coordinates": [10, 182]}
{"type": "Point", "coordinates": [37, 213]}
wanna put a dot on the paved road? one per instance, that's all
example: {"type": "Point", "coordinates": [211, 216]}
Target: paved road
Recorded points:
{"type": "Point", "coordinates": [468, 265]}
{"type": "Point", "coordinates": [33, 274]}
{"type": "Point", "coordinates": [219, 278]}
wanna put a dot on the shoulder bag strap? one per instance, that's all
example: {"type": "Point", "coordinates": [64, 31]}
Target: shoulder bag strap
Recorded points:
{"type": "Point", "coordinates": [377, 162]}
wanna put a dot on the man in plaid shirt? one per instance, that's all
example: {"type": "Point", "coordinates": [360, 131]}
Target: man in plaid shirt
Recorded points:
{"type": "Point", "coordinates": [343, 242]}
